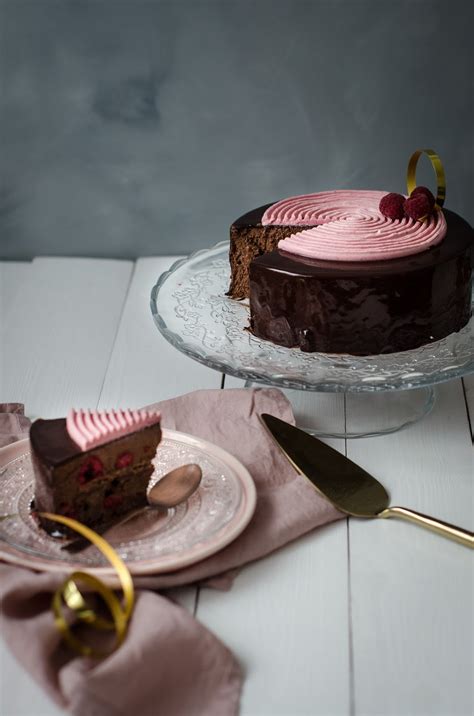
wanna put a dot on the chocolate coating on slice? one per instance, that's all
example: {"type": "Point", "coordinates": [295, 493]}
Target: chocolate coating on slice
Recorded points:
{"type": "Point", "coordinates": [51, 442]}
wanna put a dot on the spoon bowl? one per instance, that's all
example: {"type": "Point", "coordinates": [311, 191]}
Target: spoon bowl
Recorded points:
{"type": "Point", "coordinates": [176, 486]}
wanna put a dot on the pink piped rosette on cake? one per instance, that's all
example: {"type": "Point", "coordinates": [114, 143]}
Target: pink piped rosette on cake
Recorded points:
{"type": "Point", "coordinates": [348, 225]}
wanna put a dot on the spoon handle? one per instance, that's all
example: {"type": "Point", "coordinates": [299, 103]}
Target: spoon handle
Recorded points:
{"type": "Point", "coordinates": [442, 528]}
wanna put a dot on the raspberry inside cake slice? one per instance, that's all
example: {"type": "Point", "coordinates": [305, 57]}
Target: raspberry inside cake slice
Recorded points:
{"type": "Point", "coordinates": [93, 466]}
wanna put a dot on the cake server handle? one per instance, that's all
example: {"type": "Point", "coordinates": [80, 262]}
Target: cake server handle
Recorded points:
{"type": "Point", "coordinates": [445, 529]}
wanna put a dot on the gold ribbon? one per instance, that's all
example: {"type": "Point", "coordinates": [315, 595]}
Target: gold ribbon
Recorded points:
{"type": "Point", "coordinates": [69, 593]}
{"type": "Point", "coordinates": [437, 165]}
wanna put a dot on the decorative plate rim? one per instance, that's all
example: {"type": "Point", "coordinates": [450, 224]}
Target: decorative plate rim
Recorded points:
{"type": "Point", "coordinates": [169, 563]}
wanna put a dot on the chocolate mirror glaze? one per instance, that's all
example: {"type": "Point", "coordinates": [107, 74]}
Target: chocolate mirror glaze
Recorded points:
{"type": "Point", "coordinates": [364, 307]}
{"type": "Point", "coordinates": [253, 217]}
{"type": "Point", "coordinates": [51, 442]}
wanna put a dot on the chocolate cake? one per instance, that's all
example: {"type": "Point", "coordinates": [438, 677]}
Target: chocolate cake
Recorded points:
{"type": "Point", "coordinates": [93, 466]}
{"type": "Point", "coordinates": [327, 272]}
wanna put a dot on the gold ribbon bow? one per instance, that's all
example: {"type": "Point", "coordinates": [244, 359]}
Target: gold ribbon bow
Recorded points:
{"type": "Point", "coordinates": [437, 165]}
{"type": "Point", "coordinates": [69, 593]}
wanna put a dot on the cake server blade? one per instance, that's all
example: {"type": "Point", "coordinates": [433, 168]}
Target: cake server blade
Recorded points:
{"type": "Point", "coordinates": [344, 483]}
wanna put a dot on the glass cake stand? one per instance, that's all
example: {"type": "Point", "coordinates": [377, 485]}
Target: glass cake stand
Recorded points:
{"type": "Point", "coordinates": [193, 313]}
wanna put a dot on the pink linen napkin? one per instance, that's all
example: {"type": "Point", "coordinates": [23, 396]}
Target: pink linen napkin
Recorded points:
{"type": "Point", "coordinates": [13, 423]}
{"type": "Point", "coordinates": [169, 663]}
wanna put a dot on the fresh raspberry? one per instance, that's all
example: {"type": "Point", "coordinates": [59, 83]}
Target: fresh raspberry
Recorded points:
{"type": "Point", "coordinates": [391, 206]}
{"type": "Point", "coordinates": [90, 469]}
{"type": "Point", "coordinates": [112, 501]}
{"type": "Point", "coordinates": [424, 191]}
{"type": "Point", "coordinates": [124, 460]}
{"type": "Point", "coordinates": [417, 207]}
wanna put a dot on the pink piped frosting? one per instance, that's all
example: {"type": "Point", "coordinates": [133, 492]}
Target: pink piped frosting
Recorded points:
{"type": "Point", "coordinates": [91, 428]}
{"type": "Point", "coordinates": [346, 225]}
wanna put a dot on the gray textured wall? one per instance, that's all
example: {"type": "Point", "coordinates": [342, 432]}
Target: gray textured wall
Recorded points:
{"type": "Point", "coordinates": [135, 128]}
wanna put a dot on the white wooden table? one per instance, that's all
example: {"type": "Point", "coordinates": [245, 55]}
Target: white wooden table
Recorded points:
{"type": "Point", "coordinates": [360, 617]}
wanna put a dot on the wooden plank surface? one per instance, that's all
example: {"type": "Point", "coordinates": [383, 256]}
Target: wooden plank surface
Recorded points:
{"type": "Point", "coordinates": [60, 332]}
{"type": "Point", "coordinates": [410, 619]}
{"type": "Point", "coordinates": [286, 617]}
{"type": "Point", "coordinates": [60, 318]}
{"type": "Point", "coordinates": [412, 591]}
{"type": "Point", "coordinates": [18, 690]}
{"type": "Point", "coordinates": [13, 276]}
{"type": "Point", "coordinates": [285, 620]}
{"type": "Point", "coordinates": [374, 617]}
{"type": "Point", "coordinates": [144, 367]}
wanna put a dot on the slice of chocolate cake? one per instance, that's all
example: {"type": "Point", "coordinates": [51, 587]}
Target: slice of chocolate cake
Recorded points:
{"type": "Point", "coordinates": [93, 466]}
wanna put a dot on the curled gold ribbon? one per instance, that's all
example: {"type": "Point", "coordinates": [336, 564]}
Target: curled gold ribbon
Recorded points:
{"type": "Point", "coordinates": [70, 594]}
{"type": "Point", "coordinates": [437, 165]}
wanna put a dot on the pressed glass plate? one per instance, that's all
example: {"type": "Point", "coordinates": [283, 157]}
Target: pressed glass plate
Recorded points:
{"type": "Point", "coordinates": [150, 540]}
{"type": "Point", "coordinates": [193, 313]}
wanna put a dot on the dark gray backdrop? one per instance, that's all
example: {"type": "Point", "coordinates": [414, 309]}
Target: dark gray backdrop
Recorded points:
{"type": "Point", "coordinates": [145, 127]}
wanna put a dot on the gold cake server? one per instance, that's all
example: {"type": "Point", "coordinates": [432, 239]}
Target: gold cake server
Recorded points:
{"type": "Point", "coordinates": [350, 488]}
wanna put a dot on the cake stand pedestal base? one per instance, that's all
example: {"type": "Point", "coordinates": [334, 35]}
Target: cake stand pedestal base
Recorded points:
{"type": "Point", "coordinates": [378, 413]}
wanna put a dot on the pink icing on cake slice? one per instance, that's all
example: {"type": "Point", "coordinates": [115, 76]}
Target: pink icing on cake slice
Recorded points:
{"type": "Point", "coordinates": [91, 428]}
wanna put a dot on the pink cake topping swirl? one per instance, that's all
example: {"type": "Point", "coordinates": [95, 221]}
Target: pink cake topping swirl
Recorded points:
{"type": "Point", "coordinates": [346, 225]}
{"type": "Point", "coordinates": [91, 428]}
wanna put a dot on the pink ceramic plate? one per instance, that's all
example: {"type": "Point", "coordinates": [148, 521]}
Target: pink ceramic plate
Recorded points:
{"type": "Point", "coordinates": [150, 542]}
